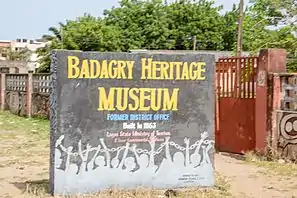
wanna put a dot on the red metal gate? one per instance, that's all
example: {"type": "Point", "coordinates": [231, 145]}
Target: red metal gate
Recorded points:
{"type": "Point", "coordinates": [235, 104]}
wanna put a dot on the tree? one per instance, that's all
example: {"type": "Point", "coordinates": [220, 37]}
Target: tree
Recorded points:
{"type": "Point", "coordinates": [152, 24]}
{"type": "Point", "coordinates": [289, 20]}
{"type": "Point", "coordinates": [21, 55]}
{"type": "Point", "coordinates": [137, 24]}
{"type": "Point", "coordinates": [289, 10]}
{"type": "Point", "coordinates": [229, 34]}
{"type": "Point", "coordinates": [54, 42]}
{"type": "Point", "coordinates": [86, 33]}
{"type": "Point", "coordinates": [142, 24]}
{"type": "Point", "coordinates": [196, 18]}
{"type": "Point", "coordinates": [89, 33]}
{"type": "Point", "coordinates": [261, 31]}
{"type": "Point", "coordinates": [156, 25]}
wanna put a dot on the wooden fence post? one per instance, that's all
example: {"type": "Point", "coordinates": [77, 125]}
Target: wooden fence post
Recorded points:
{"type": "Point", "coordinates": [29, 93]}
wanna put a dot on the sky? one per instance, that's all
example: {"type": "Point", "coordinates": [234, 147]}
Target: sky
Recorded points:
{"type": "Point", "coordinates": [31, 18]}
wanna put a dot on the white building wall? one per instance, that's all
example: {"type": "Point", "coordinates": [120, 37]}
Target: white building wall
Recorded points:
{"type": "Point", "coordinates": [31, 45]}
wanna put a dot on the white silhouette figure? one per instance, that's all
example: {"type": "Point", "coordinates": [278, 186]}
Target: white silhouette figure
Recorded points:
{"type": "Point", "coordinates": [69, 152]}
{"type": "Point", "coordinates": [91, 163]}
{"type": "Point", "coordinates": [84, 157]}
{"type": "Point", "coordinates": [146, 164]}
{"type": "Point", "coordinates": [196, 157]}
{"type": "Point", "coordinates": [162, 171]}
{"type": "Point", "coordinates": [187, 161]}
{"type": "Point", "coordinates": [122, 166]}
{"type": "Point", "coordinates": [115, 161]}
{"type": "Point", "coordinates": [107, 154]}
{"type": "Point", "coordinates": [58, 159]}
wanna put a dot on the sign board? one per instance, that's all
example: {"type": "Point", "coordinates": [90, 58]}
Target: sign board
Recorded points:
{"type": "Point", "coordinates": [129, 120]}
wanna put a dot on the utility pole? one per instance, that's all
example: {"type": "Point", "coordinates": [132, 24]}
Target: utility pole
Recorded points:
{"type": "Point", "coordinates": [194, 43]}
{"type": "Point", "coordinates": [237, 84]}
{"type": "Point", "coordinates": [240, 29]}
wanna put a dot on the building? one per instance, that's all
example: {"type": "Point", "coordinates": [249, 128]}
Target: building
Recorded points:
{"type": "Point", "coordinates": [20, 45]}
{"type": "Point", "coordinates": [32, 45]}
{"type": "Point", "coordinates": [4, 47]}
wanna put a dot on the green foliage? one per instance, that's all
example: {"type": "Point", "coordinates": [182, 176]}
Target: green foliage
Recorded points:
{"type": "Point", "coordinates": [139, 24]}
{"type": "Point", "coordinates": [195, 18]}
{"type": "Point", "coordinates": [21, 55]}
{"type": "Point", "coordinates": [289, 20]}
{"type": "Point", "coordinates": [288, 6]}
{"type": "Point", "coordinates": [230, 32]}
{"type": "Point", "coordinates": [55, 42]}
{"type": "Point", "coordinates": [86, 33]}
{"type": "Point", "coordinates": [153, 24]}
{"type": "Point", "coordinates": [260, 29]}
{"type": "Point", "coordinates": [142, 24]}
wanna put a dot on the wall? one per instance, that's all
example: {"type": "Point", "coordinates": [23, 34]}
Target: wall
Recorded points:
{"type": "Point", "coordinates": [32, 45]}
{"type": "Point", "coordinates": [25, 94]}
{"type": "Point", "coordinates": [12, 65]}
{"type": "Point", "coordinates": [284, 100]}
{"type": "Point", "coordinates": [4, 46]}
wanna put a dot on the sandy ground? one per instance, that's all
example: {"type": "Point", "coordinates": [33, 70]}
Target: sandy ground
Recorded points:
{"type": "Point", "coordinates": [249, 180]}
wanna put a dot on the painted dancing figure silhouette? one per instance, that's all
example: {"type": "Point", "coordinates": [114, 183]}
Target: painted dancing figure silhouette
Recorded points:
{"type": "Point", "coordinates": [115, 161]}
{"type": "Point", "coordinates": [206, 149]}
{"type": "Point", "coordinates": [144, 161]}
{"type": "Point", "coordinates": [196, 156]}
{"type": "Point", "coordinates": [83, 157]}
{"type": "Point", "coordinates": [121, 164]}
{"type": "Point", "coordinates": [147, 167]}
{"type": "Point", "coordinates": [167, 161]}
{"type": "Point", "coordinates": [58, 154]}
{"type": "Point", "coordinates": [69, 151]}
{"type": "Point", "coordinates": [107, 154]}
{"type": "Point", "coordinates": [91, 163]}
{"type": "Point", "coordinates": [187, 142]}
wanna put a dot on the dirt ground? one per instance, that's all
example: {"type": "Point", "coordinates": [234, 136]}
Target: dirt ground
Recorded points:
{"type": "Point", "coordinates": [251, 180]}
{"type": "Point", "coordinates": [24, 159]}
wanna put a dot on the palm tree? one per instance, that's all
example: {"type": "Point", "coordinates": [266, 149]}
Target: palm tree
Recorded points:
{"type": "Point", "coordinates": [55, 41]}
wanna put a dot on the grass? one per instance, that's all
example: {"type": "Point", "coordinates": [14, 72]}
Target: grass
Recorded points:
{"type": "Point", "coordinates": [38, 189]}
{"type": "Point", "coordinates": [274, 167]}
{"type": "Point", "coordinates": [22, 137]}
{"type": "Point", "coordinates": [28, 126]}
{"type": "Point", "coordinates": [24, 155]}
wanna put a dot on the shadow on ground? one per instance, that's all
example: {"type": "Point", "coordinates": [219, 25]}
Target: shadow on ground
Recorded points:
{"type": "Point", "coordinates": [39, 187]}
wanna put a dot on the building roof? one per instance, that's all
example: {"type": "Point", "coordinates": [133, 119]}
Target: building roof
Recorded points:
{"type": "Point", "coordinates": [5, 41]}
